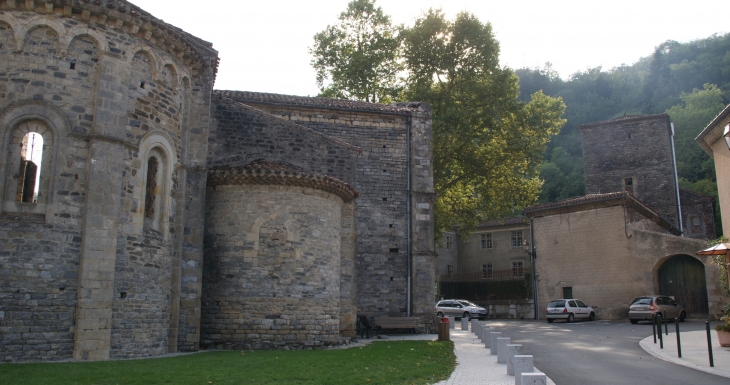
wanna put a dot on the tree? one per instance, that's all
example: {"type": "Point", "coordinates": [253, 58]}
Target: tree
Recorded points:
{"type": "Point", "coordinates": [487, 144]}
{"type": "Point", "coordinates": [357, 58]}
{"type": "Point", "coordinates": [695, 111]}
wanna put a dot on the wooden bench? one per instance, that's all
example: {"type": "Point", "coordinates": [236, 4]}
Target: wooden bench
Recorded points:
{"type": "Point", "coordinates": [411, 323]}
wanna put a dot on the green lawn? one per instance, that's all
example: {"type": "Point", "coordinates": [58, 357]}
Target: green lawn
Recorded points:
{"type": "Point", "coordinates": [381, 362]}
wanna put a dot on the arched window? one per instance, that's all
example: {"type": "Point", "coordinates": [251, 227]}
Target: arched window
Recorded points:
{"type": "Point", "coordinates": [154, 197]}
{"type": "Point", "coordinates": [29, 175]}
{"type": "Point", "coordinates": [28, 172]}
{"type": "Point", "coordinates": [155, 185]}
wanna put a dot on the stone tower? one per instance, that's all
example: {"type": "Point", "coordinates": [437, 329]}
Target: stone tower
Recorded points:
{"type": "Point", "coordinates": [634, 154]}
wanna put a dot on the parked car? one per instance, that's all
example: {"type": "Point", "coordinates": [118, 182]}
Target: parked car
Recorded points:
{"type": "Point", "coordinates": [460, 308]}
{"type": "Point", "coordinates": [569, 309]}
{"type": "Point", "coordinates": [644, 308]}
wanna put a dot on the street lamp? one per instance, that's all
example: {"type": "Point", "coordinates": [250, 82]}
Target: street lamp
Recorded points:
{"type": "Point", "coordinates": [530, 250]}
{"type": "Point", "coordinates": [726, 135]}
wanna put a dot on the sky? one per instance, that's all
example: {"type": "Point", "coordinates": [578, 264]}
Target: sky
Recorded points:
{"type": "Point", "coordinates": [264, 45]}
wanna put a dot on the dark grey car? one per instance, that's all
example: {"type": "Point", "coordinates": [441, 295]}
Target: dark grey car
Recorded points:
{"type": "Point", "coordinates": [644, 308]}
{"type": "Point", "coordinates": [460, 308]}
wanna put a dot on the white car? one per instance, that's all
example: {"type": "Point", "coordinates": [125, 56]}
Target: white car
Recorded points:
{"type": "Point", "coordinates": [569, 310]}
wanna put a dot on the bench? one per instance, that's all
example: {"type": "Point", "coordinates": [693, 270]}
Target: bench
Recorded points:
{"type": "Point", "coordinates": [411, 323]}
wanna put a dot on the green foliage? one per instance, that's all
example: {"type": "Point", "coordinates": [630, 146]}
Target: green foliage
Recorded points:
{"type": "Point", "coordinates": [725, 318]}
{"type": "Point", "coordinates": [676, 78]}
{"type": "Point", "coordinates": [395, 362]}
{"type": "Point", "coordinates": [358, 57]}
{"type": "Point", "coordinates": [487, 144]}
{"type": "Point", "coordinates": [690, 117]}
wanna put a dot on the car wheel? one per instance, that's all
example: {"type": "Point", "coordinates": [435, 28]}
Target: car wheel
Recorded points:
{"type": "Point", "coordinates": [440, 314]}
{"type": "Point", "coordinates": [634, 321]}
{"type": "Point", "coordinates": [682, 316]}
{"type": "Point", "coordinates": [550, 320]}
{"type": "Point", "coordinates": [570, 317]}
{"type": "Point", "coordinates": [466, 315]}
{"type": "Point", "coordinates": [592, 316]}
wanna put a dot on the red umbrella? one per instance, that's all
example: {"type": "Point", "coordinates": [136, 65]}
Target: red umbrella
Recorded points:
{"type": "Point", "coordinates": [718, 249]}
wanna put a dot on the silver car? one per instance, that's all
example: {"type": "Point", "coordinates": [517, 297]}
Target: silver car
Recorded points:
{"type": "Point", "coordinates": [644, 308]}
{"type": "Point", "coordinates": [460, 308]}
{"type": "Point", "coordinates": [569, 309]}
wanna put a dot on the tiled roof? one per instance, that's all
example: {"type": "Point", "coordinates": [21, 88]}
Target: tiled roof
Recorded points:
{"type": "Point", "coordinates": [619, 198]}
{"type": "Point", "coordinates": [626, 118]}
{"type": "Point", "coordinates": [317, 102]}
{"type": "Point", "coordinates": [279, 173]}
{"type": "Point", "coordinates": [503, 222]}
{"type": "Point", "coordinates": [590, 198]}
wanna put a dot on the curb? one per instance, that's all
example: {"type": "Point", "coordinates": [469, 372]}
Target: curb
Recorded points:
{"type": "Point", "coordinates": [648, 345]}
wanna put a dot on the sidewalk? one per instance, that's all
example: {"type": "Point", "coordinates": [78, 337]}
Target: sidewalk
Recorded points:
{"type": "Point", "coordinates": [694, 351]}
{"type": "Point", "coordinates": [475, 364]}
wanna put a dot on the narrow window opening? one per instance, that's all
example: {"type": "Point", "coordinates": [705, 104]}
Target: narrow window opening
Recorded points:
{"type": "Point", "coordinates": [385, 199]}
{"type": "Point", "coordinates": [383, 146]}
{"type": "Point", "coordinates": [567, 292]}
{"type": "Point", "coordinates": [122, 294]}
{"type": "Point", "coordinates": [149, 201]}
{"type": "Point", "coordinates": [29, 174]}
{"type": "Point", "coordinates": [394, 250]}
{"type": "Point", "coordinates": [141, 84]}
{"type": "Point", "coordinates": [73, 66]}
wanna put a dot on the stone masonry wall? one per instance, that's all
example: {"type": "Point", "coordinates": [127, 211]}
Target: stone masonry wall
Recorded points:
{"type": "Point", "coordinates": [605, 260]}
{"type": "Point", "coordinates": [382, 280]}
{"type": "Point", "coordinates": [698, 214]}
{"type": "Point", "coordinates": [101, 92]}
{"type": "Point", "coordinates": [241, 134]}
{"type": "Point", "coordinates": [637, 148]}
{"type": "Point", "coordinates": [271, 276]}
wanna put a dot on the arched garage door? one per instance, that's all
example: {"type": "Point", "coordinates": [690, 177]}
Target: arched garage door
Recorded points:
{"type": "Point", "coordinates": [683, 277]}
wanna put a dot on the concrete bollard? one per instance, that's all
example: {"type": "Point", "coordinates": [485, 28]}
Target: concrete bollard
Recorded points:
{"type": "Point", "coordinates": [464, 324]}
{"type": "Point", "coordinates": [502, 349]}
{"type": "Point", "coordinates": [534, 379]}
{"type": "Point", "coordinates": [493, 342]}
{"type": "Point", "coordinates": [452, 322]}
{"type": "Point", "coordinates": [512, 351]}
{"type": "Point", "coordinates": [474, 327]}
{"type": "Point", "coordinates": [522, 364]}
{"type": "Point", "coordinates": [487, 338]}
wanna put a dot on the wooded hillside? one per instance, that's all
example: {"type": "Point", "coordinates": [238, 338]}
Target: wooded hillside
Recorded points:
{"type": "Point", "coordinates": [688, 81]}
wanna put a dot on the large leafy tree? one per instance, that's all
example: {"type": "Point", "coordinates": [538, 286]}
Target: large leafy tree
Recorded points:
{"type": "Point", "coordinates": [487, 144]}
{"type": "Point", "coordinates": [696, 110]}
{"type": "Point", "coordinates": [357, 58]}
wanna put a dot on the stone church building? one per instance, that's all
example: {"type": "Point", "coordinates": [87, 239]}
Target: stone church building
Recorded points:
{"type": "Point", "coordinates": [143, 212]}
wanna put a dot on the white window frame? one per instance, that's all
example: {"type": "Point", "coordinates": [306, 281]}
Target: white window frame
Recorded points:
{"type": "Point", "coordinates": [487, 243]}
{"type": "Point", "coordinates": [517, 239]}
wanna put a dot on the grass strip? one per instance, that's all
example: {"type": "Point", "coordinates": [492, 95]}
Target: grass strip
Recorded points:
{"type": "Point", "coordinates": [381, 362]}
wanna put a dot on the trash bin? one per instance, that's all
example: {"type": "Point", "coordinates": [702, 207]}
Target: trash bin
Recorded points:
{"type": "Point", "coordinates": [443, 329]}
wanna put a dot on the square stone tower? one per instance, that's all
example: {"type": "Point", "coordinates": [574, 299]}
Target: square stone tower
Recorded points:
{"type": "Point", "coordinates": [633, 154]}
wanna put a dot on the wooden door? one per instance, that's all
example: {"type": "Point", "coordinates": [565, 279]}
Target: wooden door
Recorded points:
{"type": "Point", "coordinates": [683, 277]}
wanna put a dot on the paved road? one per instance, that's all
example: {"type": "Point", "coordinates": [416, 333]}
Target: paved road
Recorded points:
{"type": "Point", "coordinates": [600, 352]}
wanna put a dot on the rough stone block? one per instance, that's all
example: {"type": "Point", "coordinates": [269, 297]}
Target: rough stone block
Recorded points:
{"type": "Point", "coordinates": [493, 342]}
{"type": "Point", "coordinates": [522, 364]}
{"type": "Point", "coordinates": [502, 349]}
{"type": "Point", "coordinates": [512, 351]}
{"type": "Point", "coordinates": [534, 379]}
